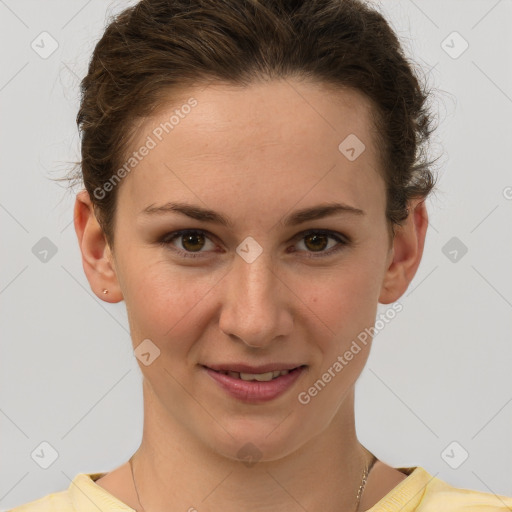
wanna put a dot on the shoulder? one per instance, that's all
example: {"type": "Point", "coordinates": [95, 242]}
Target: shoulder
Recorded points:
{"type": "Point", "coordinates": [82, 495]}
{"type": "Point", "coordinates": [421, 491]}
{"type": "Point", "coordinates": [441, 496]}
{"type": "Point", "coordinates": [55, 502]}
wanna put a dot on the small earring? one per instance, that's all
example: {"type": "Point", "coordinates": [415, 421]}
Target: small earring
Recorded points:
{"type": "Point", "coordinates": [105, 291]}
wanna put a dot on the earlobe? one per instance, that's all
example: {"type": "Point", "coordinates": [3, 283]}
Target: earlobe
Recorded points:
{"type": "Point", "coordinates": [97, 259]}
{"type": "Point", "coordinates": [407, 251]}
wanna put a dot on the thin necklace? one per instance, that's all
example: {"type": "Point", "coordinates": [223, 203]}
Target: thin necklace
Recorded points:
{"type": "Point", "coordinates": [366, 472]}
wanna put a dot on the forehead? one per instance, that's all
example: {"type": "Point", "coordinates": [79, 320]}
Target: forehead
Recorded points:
{"type": "Point", "coordinates": [259, 140]}
{"type": "Point", "coordinates": [278, 112]}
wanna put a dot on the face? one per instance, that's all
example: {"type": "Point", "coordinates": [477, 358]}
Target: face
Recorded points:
{"type": "Point", "coordinates": [268, 287]}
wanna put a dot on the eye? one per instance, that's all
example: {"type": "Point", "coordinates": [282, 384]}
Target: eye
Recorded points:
{"type": "Point", "coordinates": [193, 240]}
{"type": "Point", "coordinates": [316, 241]}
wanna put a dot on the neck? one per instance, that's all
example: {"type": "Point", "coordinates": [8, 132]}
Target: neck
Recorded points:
{"type": "Point", "coordinates": [173, 470]}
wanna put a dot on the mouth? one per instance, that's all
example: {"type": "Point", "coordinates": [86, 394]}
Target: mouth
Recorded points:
{"type": "Point", "coordinates": [260, 377]}
{"type": "Point", "coordinates": [255, 386]}
{"type": "Point", "coordinates": [262, 373]}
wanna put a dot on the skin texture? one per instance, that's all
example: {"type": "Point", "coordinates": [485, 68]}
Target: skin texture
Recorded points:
{"type": "Point", "coordinates": [253, 154]}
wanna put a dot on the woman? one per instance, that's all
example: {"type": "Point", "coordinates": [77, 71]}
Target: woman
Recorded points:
{"type": "Point", "coordinates": [255, 184]}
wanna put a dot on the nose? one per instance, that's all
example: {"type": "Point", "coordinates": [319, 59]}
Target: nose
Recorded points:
{"type": "Point", "coordinates": [254, 302]}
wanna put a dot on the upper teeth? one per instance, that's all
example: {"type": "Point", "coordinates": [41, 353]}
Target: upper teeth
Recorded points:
{"type": "Point", "coordinates": [262, 377]}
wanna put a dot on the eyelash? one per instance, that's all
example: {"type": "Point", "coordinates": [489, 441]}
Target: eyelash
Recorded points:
{"type": "Point", "coordinates": [342, 240]}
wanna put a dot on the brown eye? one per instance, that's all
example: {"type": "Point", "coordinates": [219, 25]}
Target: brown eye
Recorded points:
{"type": "Point", "coordinates": [193, 242]}
{"type": "Point", "coordinates": [316, 242]}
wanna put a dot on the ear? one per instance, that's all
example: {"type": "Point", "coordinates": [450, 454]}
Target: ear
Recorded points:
{"type": "Point", "coordinates": [97, 259]}
{"type": "Point", "coordinates": [406, 253]}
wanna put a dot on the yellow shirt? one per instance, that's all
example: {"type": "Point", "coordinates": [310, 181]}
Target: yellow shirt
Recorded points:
{"type": "Point", "coordinates": [420, 492]}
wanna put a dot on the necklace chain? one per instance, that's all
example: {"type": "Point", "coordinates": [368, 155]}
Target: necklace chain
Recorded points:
{"type": "Point", "coordinates": [366, 472]}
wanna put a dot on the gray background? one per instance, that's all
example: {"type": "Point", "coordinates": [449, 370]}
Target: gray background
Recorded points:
{"type": "Point", "coordinates": [438, 373]}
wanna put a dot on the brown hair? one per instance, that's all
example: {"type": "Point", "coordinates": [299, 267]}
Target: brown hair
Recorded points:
{"type": "Point", "coordinates": [158, 47]}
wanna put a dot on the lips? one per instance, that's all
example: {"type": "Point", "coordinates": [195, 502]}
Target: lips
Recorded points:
{"type": "Point", "coordinates": [262, 377]}
{"type": "Point", "coordinates": [245, 368]}
{"type": "Point", "coordinates": [255, 387]}
{"type": "Point", "coordinates": [262, 373]}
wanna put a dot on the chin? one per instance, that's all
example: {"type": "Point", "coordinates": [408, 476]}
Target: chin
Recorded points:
{"type": "Point", "coordinates": [262, 439]}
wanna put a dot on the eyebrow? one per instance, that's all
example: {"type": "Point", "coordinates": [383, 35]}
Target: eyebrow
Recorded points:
{"type": "Point", "coordinates": [293, 219]}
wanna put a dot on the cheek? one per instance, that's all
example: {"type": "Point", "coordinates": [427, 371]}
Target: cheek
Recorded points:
{"type": "Point", "coordinates": [165, 302]}
{"type": "Point", "coordinates": [343, 302]}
